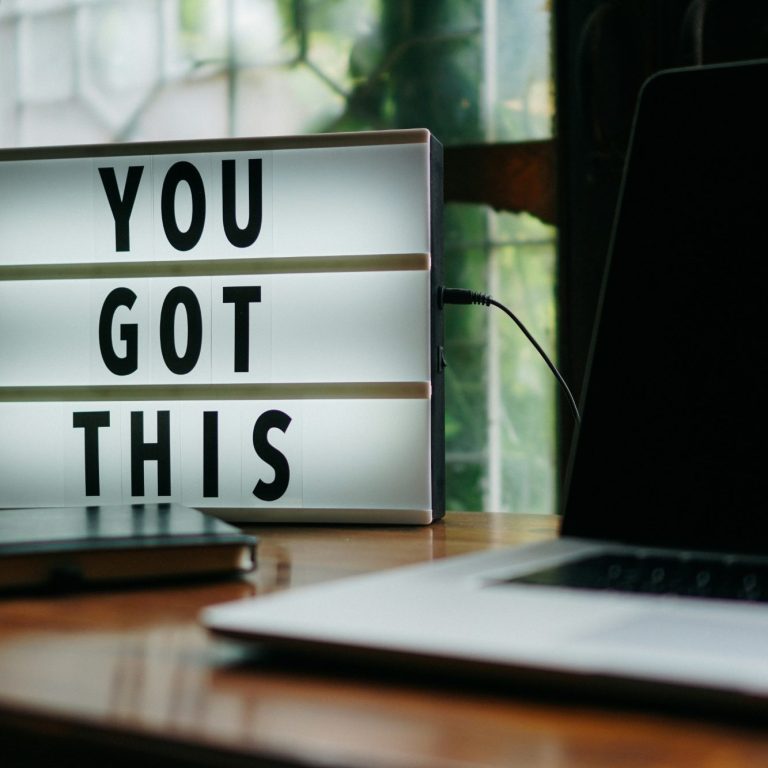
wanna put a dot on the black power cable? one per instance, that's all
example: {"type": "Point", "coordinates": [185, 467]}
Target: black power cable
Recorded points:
{"type": "Point", "coordinates": [464, 296]}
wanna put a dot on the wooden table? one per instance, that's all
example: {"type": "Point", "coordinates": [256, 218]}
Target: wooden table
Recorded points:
{"type": "Point", "coordinates": [129, 678]}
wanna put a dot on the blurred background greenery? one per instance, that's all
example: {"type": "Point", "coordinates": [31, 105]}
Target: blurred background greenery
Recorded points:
{"type": "Point", "coordinates": [472, 71]}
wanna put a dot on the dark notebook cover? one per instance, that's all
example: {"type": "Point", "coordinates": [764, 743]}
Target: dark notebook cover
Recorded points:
{"type": "Point", "coordinates": [70, 546]}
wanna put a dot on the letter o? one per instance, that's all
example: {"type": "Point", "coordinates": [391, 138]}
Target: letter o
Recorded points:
{"type": "Point", "coordinates": [183, 240]}
{"type": "Point", "coordinates": [181, 296]}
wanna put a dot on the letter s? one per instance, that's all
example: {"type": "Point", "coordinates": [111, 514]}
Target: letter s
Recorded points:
{"type": "Point", "coordinates": [268, 453]}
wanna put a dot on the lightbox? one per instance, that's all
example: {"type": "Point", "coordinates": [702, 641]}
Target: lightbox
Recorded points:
{"type": "Point", "coordinates": [248, 326]}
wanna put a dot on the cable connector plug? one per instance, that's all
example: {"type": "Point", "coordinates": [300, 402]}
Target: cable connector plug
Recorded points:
{"type": "Point", "coordinates": [461, 296]}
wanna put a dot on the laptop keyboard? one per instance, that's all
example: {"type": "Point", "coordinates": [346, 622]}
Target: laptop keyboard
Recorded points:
{"type": "Point", "coordinates": [723, 579]}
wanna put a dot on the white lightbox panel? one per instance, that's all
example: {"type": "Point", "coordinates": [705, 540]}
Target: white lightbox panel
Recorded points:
{"type": "Point", "coordinates": [46, 211]}
{"type": "Point", "coordinates": [44, 332]}
{"type": "Point", "coordinates": [343, 455]}
{"type": "Point", "coordinates": [315, 202]}
{"type": "Point", "coordinates": [367, 326]}
{"type": "Point", "coordinates": [31, 470]}
{"type": "Point", "coordinates": [368, 453]}
{"type": "Point", "coordinates": [306, 328]}
{"type": "Point", "coordinates": [352, 200]}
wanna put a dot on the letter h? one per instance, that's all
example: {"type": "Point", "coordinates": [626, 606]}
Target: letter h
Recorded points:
{"type": "Point", "coordinates": [159, 452]}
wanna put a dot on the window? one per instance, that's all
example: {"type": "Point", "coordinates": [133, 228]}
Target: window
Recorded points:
{"type": "Point", "coordinates": [82, 71]}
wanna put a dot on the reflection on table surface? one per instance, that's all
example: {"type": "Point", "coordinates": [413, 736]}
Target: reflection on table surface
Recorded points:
{"type": "Point", "coordinates": [132, 668]}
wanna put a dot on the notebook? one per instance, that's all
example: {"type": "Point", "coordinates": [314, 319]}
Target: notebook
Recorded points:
{"type": "Point", "coordinates": [66, 548]}
{"type": "Point", "coordinates": [657, 585]}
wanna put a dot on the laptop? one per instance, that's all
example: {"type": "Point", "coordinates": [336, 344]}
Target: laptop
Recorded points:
{"type": "Point", "coordinates": [658, 583]}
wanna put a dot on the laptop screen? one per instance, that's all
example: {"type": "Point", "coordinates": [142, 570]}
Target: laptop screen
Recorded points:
{"type": "Point", "coordinates": [673, 446]}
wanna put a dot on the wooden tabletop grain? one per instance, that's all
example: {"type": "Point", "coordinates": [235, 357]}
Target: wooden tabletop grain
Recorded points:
{"type": "Point", "coordinates": [129, 677]}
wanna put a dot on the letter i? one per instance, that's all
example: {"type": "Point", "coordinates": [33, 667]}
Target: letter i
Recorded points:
{"type": "Point", "coordinates": [210, 454]}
